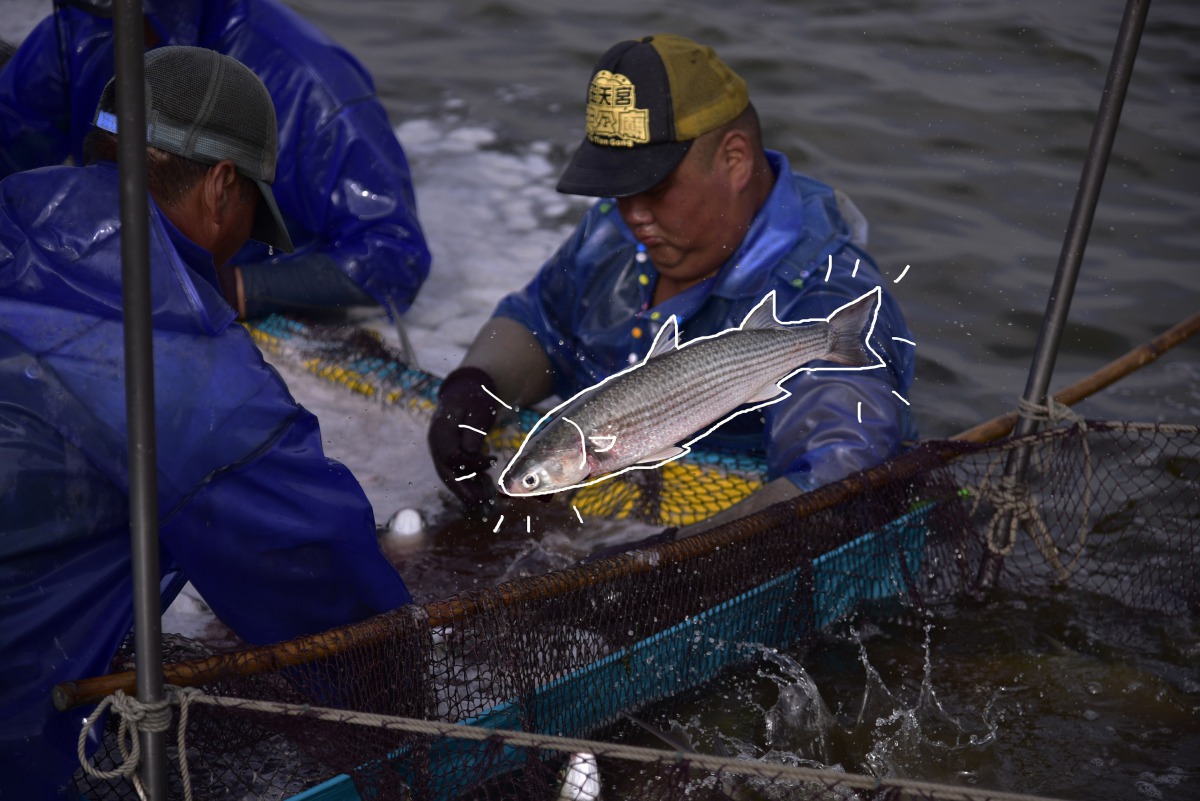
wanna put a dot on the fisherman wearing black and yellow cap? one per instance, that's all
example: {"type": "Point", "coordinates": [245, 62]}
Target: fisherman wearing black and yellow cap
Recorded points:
{"type": "Point", "coordinates": [697, 220]}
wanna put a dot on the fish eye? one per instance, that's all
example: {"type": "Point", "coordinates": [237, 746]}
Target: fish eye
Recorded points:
{"type": "Point", "coordinates": [530, 481]}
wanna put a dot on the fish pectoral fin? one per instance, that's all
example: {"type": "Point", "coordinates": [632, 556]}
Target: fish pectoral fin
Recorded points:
{"type": "Point", "coordinates": [769, 392]}
{"type": "Point", "coordinates": [665, 455]}
{"type": "Point", "coordinates": [602, 443]}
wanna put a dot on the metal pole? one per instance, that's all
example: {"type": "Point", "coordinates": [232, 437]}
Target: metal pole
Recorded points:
{"type": "Point", "coordinates": [139, 378]}
{"type": "Point", "coordinates": [1078, 227]}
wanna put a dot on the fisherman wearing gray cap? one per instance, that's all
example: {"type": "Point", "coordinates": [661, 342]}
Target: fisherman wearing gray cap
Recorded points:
{"type": "Point", "coordinates": [277, 538]}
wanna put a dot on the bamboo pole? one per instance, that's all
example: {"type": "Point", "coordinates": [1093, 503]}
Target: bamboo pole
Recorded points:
{"type": "Point", "coordinates": [1109, 374]}
{"type": "Point", "coordinates": [445, 612]}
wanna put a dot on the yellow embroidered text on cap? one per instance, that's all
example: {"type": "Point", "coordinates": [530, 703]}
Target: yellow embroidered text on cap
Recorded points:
{"type": "Point", "coordinates": [613, 118]}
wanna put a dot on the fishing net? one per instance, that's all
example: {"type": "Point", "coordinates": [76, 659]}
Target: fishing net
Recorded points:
{"type": "Point", "coordinates": [504, 692]}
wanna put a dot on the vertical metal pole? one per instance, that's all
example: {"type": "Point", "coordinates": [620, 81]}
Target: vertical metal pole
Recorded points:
{"type": "Point", "coordinates": [139, 378]}
{"type": "Point", "coordinates": [1078, 228]}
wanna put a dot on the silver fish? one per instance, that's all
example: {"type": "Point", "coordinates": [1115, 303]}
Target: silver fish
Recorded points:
{"type": "Point", "coordinates": [580, 779]}
{"type": "Point", "coordinates": [638, 417]}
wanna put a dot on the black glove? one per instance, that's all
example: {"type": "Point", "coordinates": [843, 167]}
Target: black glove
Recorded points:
{"type": "Point", "coordinates": [458, 451]}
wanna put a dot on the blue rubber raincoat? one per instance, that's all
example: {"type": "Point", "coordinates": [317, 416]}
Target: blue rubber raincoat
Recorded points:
{"type": "Point", "coordinates": [342, 180]}
{"type": "Point", "coordinates": [278, 539]}
{"type": "Point", "coordinates": [589, 307]}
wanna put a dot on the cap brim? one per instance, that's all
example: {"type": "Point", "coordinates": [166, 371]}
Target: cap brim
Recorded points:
{"type": "Point", "coordinates": [602, 171]}
{"type": "Point", "coordinates": [268, 222]}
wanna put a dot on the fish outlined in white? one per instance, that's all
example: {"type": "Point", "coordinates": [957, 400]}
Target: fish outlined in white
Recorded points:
{"type": "Point", "coordinates": [638, 417]}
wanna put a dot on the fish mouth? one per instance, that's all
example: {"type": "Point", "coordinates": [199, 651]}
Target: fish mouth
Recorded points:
{"type": "Point", "coordinates": [512, 487]}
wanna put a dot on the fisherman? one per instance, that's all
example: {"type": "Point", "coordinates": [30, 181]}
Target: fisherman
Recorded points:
{"type": "Point", "coordinates": [697, 220]}
{"type": "Point", "coordinates": [343, 185]}
{"type": "Point", "coordinates": [277, 538]}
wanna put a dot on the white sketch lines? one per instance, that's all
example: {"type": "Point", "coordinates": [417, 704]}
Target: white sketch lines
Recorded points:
{"type": "Point", "coordinates": [502, 403]}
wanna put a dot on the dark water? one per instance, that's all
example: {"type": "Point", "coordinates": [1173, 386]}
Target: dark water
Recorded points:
{"type": "Point", "coordinates": [960, 129]}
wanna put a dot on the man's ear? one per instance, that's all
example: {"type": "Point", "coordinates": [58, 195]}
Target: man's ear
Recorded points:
{"type": "Point", "coordinates": [736, 156]}
{"type": "Point", "coordinates": [221, 192]}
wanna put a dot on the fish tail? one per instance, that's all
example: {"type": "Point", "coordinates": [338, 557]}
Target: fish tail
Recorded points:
{"type": "Point", "coordinates": [848, 329]}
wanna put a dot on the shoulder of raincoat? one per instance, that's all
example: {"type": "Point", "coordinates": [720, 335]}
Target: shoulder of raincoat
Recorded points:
{"type": "Point", "coordinates": [342, 180]}
{"type": "Point", "coordinates": [277, 538]}
{"type": "Point", "coordinates": [589, 307]}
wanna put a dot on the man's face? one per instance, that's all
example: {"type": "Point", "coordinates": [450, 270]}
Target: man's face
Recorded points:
{"type": "Point", "coordinates": [685, 221]}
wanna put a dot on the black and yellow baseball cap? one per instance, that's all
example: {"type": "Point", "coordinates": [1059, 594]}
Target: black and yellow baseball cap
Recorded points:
{"type": "Point", "coordinates": [648, 100]}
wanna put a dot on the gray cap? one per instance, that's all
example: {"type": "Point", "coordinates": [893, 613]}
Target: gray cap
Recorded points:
{"type": "Point", "coordinates": [208, 107]}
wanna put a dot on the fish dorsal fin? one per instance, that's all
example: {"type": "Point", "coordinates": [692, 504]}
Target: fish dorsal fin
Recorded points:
{"type": "Point", "coordinates": [762, 315]}
{"type": "Point", "coordinates": [666, 340]}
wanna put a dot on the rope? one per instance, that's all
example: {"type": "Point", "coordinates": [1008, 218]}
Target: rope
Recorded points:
{"type": "Point", "coordinates": [1014, 506]}
{"type": "Point", "coordinates": [1052, 411]}
{"type": "Point", "coordinates": [572, 745]}
{"type": "Point", "coordinates": [136, 717]}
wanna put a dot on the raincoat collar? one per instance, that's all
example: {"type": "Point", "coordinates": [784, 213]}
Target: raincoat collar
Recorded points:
{"type": "Point", "coordinates": [799, 224]}
{"type": "Point", "coordinates": [796, 222]}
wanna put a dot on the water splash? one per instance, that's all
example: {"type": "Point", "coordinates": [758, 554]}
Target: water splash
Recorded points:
{"type": "Point", "coordinates": [907, 738]}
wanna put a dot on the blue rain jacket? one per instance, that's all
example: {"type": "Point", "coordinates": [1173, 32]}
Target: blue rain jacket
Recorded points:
{"type": "Point", "coordinates": [589, 307]}
{"type": "Point", "coordinates": [342, 180]}
{"type": "Point", "coordinates": [279, 539]}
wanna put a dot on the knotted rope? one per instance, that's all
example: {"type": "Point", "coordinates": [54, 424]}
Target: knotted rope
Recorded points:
{"type": "Point", "coordinates": [136, 717]}
{"type": "Point", "coordinates": [1015, 508]}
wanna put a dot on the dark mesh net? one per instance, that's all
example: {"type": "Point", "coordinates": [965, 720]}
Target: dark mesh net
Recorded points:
{"type": "Point", "coordinates": [476, 689]}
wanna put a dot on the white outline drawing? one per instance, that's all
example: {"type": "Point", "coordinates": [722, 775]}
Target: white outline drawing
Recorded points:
{"type": "Point", "coordinates": [493, 394]}
{"type": "Point", "coordinates": [903, 273]}
{"type": "Point", "coordinates": [602, 444]}
{"type": "Point", "coordinates": [667, 340]}
{"type": "Point", "coordinates": [905, 341]}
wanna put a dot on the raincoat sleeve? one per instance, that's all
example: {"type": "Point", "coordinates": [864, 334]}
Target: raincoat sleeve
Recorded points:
{"type": "Point", "coordinates": [277, 537]}
{"type": "Point", "coordinates": [574, 288]}
{"type": "Point", "coordinates": [837, 422]}
{"type": "Point", "coordinates": [34, 120]}
{"type": "Point", "coordinates": [342, 180]}
{"type": "Point", "coordinates": [283, 544]}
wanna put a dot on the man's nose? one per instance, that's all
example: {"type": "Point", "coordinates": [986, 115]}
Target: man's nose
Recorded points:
{"type": "Point", "coordinates": [635, 210]}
